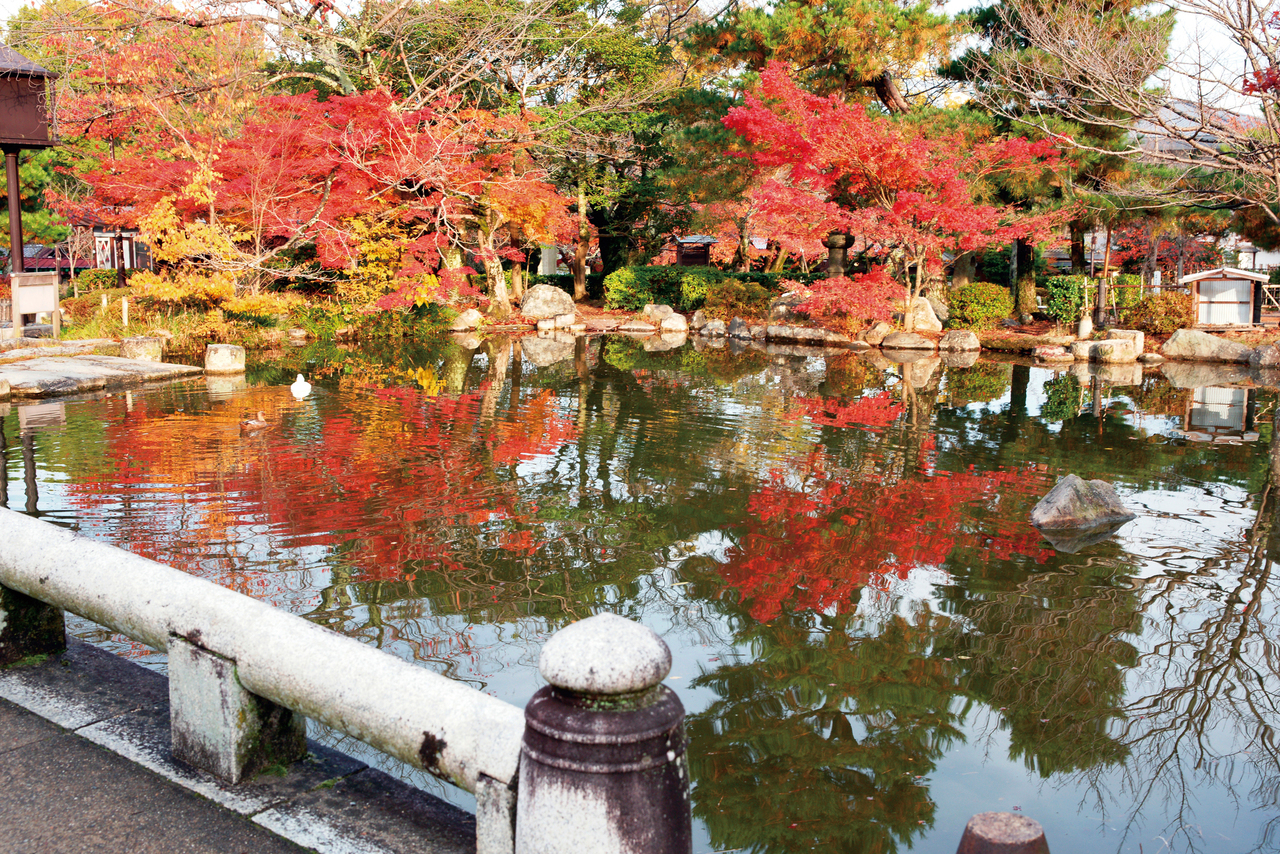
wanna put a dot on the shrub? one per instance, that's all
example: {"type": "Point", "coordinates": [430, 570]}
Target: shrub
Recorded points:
{"type": "Point", "coordinates": [93, 280]}
{"type": "Point", "coordinates": [1068, 297]}
{"type": "Point", "coordinates": [1126, 291]}
{"type": "Point", "coordinates": [979, 305]}
{"type": "Point", "coordinates": [730, 298]}
{"type": "Point", "coordinates": [851, 302]}
{"type": "Point", "coordinates": [683, 288]}
{"type": "Point", "coordinates": [185, 286]}
{"type": "Point", "coordinates": [261, 309]}
{"type": "Point", "coordinates": [564, 281]}
{"type": "Point", "coordinates": [1160, 313]}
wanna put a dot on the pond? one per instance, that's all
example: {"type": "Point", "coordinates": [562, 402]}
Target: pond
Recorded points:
{"type": "Point", "coordinates": [871, 642]}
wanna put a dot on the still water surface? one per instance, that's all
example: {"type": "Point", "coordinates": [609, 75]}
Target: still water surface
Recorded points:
{"type": "Point", "coordinates": [871, 642]}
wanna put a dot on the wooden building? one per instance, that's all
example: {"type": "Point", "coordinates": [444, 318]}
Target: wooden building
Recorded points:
{"type": "Point", "coordinates": [694, 250]}
{"type": "Point", "coordinates": [1226, 297]}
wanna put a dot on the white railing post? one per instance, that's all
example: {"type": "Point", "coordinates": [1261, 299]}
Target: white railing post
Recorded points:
{"type": "Point", "coordinates": [218, 726]}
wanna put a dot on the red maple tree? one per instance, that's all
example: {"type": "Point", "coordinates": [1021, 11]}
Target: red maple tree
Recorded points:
{"type": "Point", "coordinates": [914, 196]}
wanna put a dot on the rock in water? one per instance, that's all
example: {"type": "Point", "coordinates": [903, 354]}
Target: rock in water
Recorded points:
{"type": "Point", "coordinates": [1078, 505]}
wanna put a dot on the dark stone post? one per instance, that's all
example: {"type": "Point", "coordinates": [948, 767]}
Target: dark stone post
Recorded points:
{"type": "Point", "coordinates": [1003, 833]}
{"type": "Point", "coordinates": [28, 627]}
{"type": "Point", "coordinates": [603, 766]}
{"type": "Point", "coordinates": [837, 253]}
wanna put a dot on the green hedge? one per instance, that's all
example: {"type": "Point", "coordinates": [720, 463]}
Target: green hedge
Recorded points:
{"type": "Point", "coordinates": [980, 305]}
{"type": "Point", "coordinates": [1068, 297]}
{"type": "Point", "coordinates": [95, 280]}
{"type": "Point", "coordinates": [1126, 291]}
{"type": "Point", "coordinates": [564, 281]}
{"type": "Point", "coordinates": [685, 288]}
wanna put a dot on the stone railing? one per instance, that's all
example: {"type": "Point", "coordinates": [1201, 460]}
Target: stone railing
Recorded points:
{"type": "Point", "coordinates": [595, 763]}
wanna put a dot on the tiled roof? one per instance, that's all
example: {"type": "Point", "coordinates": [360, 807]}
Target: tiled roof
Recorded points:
{"type": "Point", "coordinates": [12, 62]}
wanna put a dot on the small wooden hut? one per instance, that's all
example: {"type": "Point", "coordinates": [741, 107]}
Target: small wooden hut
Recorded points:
{"type": "Point", "coordinates": [1226, 297]}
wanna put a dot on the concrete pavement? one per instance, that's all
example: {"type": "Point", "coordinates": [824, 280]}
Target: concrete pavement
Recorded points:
{"type": "Point", "coordinates": [85, 766]}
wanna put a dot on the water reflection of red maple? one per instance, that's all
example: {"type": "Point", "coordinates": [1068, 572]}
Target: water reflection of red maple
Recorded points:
{"type": "Point", "coordinates": [815, 544]}
{"type": "Point", "coordinates": [397, 480]}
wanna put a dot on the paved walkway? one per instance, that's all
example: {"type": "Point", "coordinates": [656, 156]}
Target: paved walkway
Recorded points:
{"type": "Point", "coordinates": [85, 766]}
{"type": "Point", "coordinates": [37, 367]}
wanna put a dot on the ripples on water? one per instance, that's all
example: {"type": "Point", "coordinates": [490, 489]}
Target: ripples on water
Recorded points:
{"type": "Point", "coordinates": [871, 641]}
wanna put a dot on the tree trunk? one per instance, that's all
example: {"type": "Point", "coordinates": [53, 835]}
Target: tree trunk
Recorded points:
{"type": "Point", "coordinates": [580, 252]}
{"type": "Point", "coordinates": [1024, 300]}
{"type": "Point", "coordinates": [779, 261]}
{"type": "Point", "coordinates": [517, 281]}
{"type": "Point", "coordinates": [1078, 264]}
{"type": "Point", "coordinates": [1106, 256]}
{"type": "Point", "coordinates": [886, 89]}
{"type": "Point", "coordinates": [742, 256]}
{"type": "Point", "coordinates": [499, 298]}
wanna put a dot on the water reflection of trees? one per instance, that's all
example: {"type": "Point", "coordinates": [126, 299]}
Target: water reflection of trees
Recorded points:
{"type": "Point", "coordinates": [824, 739]}
{"type": "Point", "coordinates": [465, 504]}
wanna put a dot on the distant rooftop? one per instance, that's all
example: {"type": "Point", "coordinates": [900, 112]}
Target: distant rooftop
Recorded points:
{"type": "Point", "coordinates": [14, 63]}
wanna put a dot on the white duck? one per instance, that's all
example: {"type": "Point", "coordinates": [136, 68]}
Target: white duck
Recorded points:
{"type": "Point", "coordinates": [300, 388]}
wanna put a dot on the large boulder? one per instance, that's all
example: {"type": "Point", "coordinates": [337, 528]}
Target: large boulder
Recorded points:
{"type": "Point", "coordinates": [545, 301]}
{"type": "Point", "coordinates": [907, 341]}
{"type": "Point", "coordinates": [673, 323]}
{"type": "Point", "coordinates": [739, 329]}
{"type": "Point", "coordinates": [1108, 351]}
{"type": "Point", "coordinates": [1114, 352]}
{"type": "Point", "coordinates": [713, 328]}
{"type": "Point", "coordinates": [1078, 512]}
{"type": "Point", "coordinates": [469, 319]}
{"type": "Point", "coordinates": [223, 359]}
{"type": "Point", "coordinates": [959, 341]}
{"type": "Point", "coordinates": [1266, 356]}
{"type": "Point", "coordinates": [940, 309]}
{"type": "Point", "coordinates": [1050, 353]}
{"type": "Point", "coordinates": [142, 349]}
{"type": "Point", "coordinates": [783, 309]}
{"type": "Point", "coordinates": [1197, 346]}
{"type": "Point", "coordinates": [876, 333]}
{"type": "Point", "coordinates": [1135, 335]}
{"type": "Point", "coordinates": [799, 334]}
{"type": "Point", "coordinates": [921, 317]}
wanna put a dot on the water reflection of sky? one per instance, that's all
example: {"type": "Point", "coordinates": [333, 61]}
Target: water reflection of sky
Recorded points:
{"type": "Point", "coordinates": [655, 489]}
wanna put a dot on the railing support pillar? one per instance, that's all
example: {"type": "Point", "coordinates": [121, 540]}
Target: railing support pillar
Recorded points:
{"type": "Point", "coordinates": [218, 726]}
{"type": "Point", "coordinates": [603, 765]}
{"type": "Point", "coordinates": [28, 628]}
{"type": "Point", "coordinates": [1003, 833]}
{"type": "Point", "coordinates": [495, 816]}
